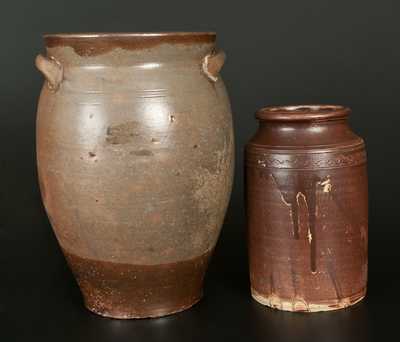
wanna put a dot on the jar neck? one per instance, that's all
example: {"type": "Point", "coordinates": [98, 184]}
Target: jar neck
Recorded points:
{"type": "Point", "coordinates": [305, 134]}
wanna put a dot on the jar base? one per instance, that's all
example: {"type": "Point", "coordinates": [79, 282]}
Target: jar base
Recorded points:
{"type": "Point", "coordinates": [300, 305]}
{"type": "Point", "coordinates": [124, 291]}
{"type": "Point", "coordinates": [129, 314]}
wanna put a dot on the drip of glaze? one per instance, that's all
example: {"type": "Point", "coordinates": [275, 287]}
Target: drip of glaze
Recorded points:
{"type": "Point", "coordinates": [290, 187]}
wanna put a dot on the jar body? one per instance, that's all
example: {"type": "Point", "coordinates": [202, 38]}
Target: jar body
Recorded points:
{"type": "Point", "coordinates": [135, 159]}
{"type": "Point", "coordinates": [307, 212]}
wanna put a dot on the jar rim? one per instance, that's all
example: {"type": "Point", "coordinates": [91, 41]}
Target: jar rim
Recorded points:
{"type": "Point", "coordinates": [97, 43]}
{"type": "Point", "coordinates": [313, 112]}
{"type": "Point", "coordinates": [128, 34]}
{"type": "Point", "coordinates": [131, 39]}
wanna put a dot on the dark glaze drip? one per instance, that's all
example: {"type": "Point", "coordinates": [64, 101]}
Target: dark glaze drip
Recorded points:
{"type": "Point", "coordinates": [271, 282]}
{"type": "Point", "coordinates": [307, 186]}
{"type": "Point", "coordinates": [355, 221]}
{"type": "Point", "coordinates": [330, 266]}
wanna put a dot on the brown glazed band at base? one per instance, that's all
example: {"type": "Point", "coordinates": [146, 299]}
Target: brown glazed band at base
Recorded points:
{"type": "Point", "coordinates": [297, 305]}
{"type": "Point", "coordinates": [127, 291]}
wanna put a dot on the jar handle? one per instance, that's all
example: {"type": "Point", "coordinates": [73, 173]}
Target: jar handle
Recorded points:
{"type": "Point", "coordinates": [212, 64]}
{"type": "Point", "coordinates": [52, 70]}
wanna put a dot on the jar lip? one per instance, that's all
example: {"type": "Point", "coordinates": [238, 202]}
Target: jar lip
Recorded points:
{"type": "Point", "coordinates": [97, 43]}
{"type": "Point", "coordinates": [313, 112]}
{"type": "Point", "coordinates": [133, 40]}
{"type": "Point", "coordinates": [111, 35]}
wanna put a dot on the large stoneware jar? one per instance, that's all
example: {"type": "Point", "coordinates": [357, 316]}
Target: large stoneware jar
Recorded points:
{"type": "Point", "coordinates": [135, 158]}
{"type": "Point", "coordinates": [307, 209]}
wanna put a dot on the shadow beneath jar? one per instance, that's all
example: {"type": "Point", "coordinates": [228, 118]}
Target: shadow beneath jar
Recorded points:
{"type": "Point", "coordinates": [351, 324]}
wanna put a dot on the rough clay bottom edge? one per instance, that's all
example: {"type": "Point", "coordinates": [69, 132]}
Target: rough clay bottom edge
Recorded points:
{"type": "Point", "coordinates": [156, 314]}
{"type": "Point", "coordinates": [275, 302]}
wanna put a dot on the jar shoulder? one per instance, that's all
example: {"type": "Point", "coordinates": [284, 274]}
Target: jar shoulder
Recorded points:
{"type": "Point", "coordinates": [305, 138]}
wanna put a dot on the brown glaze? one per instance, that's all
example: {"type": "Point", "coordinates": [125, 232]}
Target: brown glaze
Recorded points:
{"type": "Point", "coordinates": [307, 209]}
{"type": "Point", "coordinates": [135, 160]}
{"type": "Point", "coordinates": [138, 291]}
{"type": "Point", "coordinates": [92, 44]}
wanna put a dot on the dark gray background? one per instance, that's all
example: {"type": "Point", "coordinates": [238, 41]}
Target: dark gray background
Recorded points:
{"type": "Point", "coordinates": [279, 52]}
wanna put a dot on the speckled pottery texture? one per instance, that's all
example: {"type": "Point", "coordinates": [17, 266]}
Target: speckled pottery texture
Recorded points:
{"type": "Point", "coordinates": [135, 155]}
{"type": "Point", "coordinates": [307, 209]}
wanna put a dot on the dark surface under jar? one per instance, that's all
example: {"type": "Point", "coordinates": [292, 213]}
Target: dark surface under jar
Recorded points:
{"type": "Point", "coordinates": [307, 209]}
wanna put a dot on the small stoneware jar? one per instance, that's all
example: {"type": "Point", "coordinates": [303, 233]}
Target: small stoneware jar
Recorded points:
{"type": "Point", "coordinates": [307, 209]}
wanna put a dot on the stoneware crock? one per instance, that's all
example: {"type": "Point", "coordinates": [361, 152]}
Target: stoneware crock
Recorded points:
{"type": "Point", "coordinates": [135, 157]}
{"type": "Point", "coordinates": [307, 209]}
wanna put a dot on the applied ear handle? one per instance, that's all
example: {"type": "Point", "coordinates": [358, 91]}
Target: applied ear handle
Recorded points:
{"type": "Point", "coordinates": [212, 64]}
{"type": "Point", "coordinates": [52, 70]}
